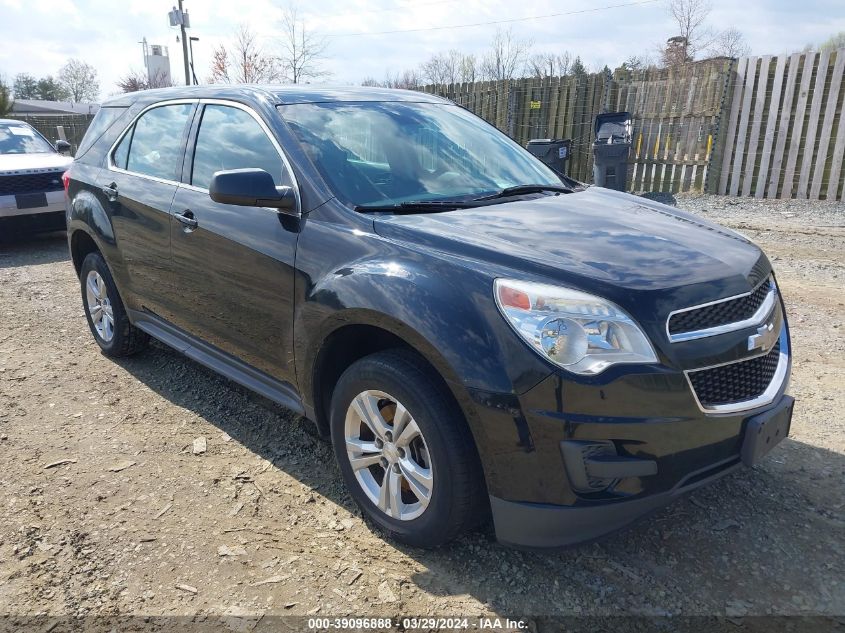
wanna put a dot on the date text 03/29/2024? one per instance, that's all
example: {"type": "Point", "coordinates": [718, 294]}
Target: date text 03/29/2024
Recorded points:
{"type": "Point", "coordinates": [428, 623]}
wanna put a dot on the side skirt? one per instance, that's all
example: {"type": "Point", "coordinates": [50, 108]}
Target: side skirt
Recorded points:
{"type": "Point", "coordinates": [281, 393]}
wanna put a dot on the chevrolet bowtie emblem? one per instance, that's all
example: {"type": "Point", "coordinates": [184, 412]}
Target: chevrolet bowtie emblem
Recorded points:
{"type": "Point", "coordinates": [765, 334]}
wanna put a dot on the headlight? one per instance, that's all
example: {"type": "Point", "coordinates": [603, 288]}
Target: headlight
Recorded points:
{"type": "Point", "coordinates": [580, 332]}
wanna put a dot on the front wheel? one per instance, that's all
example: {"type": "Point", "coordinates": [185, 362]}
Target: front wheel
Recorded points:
{"type": "Point", "coordinates": [405, 451]}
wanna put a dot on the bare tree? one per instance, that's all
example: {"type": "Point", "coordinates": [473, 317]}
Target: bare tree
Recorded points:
{"type": "Point", "coordinates": [135, 80]}
{"type": "Point", "coordinates": [693, 33]}
{"type": "Point", "coordinates": [244, 62]}
{"type": "Point", "coordinates": [506, 57]}
{"type": "Point", "coordinates": [676, 52]}
{"type": "Point", "coordinates": [468, 68]}
{"type": "Point", "coordinates": [407, 80]}
{"type": "Point", "coordinates": [441, 68]}
{"type": "Point", "coordinates": [450, 67]}
{"type": "Point", "coordinates": [730, 43]}
{"type": "Point", "coordinates": [638, 62]}
{"type": "Point", "coordinates": [302, 49]}
{"type": "Point", "coordinates": [219, 66]}
{"type": "Point", "coordinates": [542, 65]}
{"type": "Point", "coordinates": [80, 81]}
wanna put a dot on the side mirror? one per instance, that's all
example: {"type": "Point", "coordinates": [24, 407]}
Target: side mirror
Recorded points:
{"type": "Point", "coordinates": [250, 188]}
{"type": "Point", "coordinates": [62, 147]}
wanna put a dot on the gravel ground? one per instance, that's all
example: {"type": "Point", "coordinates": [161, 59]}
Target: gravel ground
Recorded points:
{"type": "Point", "coordinates": [151, 486]}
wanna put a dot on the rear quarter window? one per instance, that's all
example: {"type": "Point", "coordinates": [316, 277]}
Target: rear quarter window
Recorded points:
{"type": "Point", "coordinates": [103, 120]}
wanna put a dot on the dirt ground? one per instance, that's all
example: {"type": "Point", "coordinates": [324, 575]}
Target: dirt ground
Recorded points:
{"type": "Point", "coordinates": [107, 509]}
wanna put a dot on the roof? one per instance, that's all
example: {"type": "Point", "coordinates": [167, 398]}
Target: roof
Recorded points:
{"type": "Point", "coordinates": [37, 106]}
{"type": "Point", "coordinates": [296, 93]}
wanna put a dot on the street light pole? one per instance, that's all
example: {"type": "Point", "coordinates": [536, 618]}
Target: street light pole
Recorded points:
{"type": "Point", "coordinates": [184, 45]}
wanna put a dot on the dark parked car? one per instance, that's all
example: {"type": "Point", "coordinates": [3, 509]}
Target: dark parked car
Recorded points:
{"type": "Point", "coordinates": [476, 334]}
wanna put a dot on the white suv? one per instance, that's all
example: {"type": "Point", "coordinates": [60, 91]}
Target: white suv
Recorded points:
{"type": "Point", "coordinates": [31, 168]}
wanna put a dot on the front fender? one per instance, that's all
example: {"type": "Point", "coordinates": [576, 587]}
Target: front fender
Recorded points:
{"type": "Point", "coordinates": [445, 312]}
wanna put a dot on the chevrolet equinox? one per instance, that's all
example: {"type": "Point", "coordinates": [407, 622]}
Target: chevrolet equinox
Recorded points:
{"type": "Point", "coordinates": [478, 335]}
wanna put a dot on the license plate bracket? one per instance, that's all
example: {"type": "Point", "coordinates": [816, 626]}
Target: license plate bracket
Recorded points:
{"type": "Point", "coordinates": [31, 200]}
{"type": "Point", "coordinates": [765, 431]}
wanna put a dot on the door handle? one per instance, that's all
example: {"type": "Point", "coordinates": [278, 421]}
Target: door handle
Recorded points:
{"type": "Point", "coordinates": [111, 191]}
{"type": "Point", "coordinates": [187, 218]}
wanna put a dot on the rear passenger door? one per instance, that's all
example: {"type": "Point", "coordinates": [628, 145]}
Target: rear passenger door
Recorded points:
{"type": "Point", "coordinates": [144, 169]}
{"type": "Point", "coordinates": [235, 264]}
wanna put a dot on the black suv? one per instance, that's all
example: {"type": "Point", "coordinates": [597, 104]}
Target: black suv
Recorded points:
{"type": "Point", "coordinates": [475, 333]}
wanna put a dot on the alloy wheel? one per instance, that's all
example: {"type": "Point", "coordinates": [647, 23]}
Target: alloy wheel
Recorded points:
{"type": "Point", "coordinates": [99, 306]}
{"type": "Point", "coordinates": [389, 455]}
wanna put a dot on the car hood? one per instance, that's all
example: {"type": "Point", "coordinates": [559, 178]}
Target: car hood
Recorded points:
{"type": "Point", "coordinates": [33, 162]}
{"type": "Point", "coordinates": [596, 236]}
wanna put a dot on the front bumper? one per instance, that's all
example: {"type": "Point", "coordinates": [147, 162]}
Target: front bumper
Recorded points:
{"type": "Point", "coordinates": [544, 525]}
{"type": "Point", "coordinates": [651, 442]}
{"type": "Point", "coordinates": [538, 525]}
{"type": "Point", "coordinates": [534, 525]}
{"type": "Point", "coordinates": [55, 202]}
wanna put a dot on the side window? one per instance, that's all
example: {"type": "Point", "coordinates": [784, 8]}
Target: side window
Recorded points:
{"type": "Point", "coordinates": [155, 146]}
{"type": "Point", "coordinates": [229, 138]}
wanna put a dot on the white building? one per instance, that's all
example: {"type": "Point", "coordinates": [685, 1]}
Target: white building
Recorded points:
{"type": "Point", "coordinates": [157, 63]}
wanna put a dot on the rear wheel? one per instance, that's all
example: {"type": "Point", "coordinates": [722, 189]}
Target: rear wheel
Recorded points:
{"type": "Point", "coordinates": [105, 312]}
{"type": "Point", "coordinates": [405, 451]}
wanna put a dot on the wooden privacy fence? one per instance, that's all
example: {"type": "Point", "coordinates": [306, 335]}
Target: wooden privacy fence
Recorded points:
{"type": "Point", "coordinates": [785, 130]}
{"type": "Point", "coordinates": [675, 122]}
{"type": "Point", "coordinates": [764, 126]}
{"type": "Point", "coordinates": [675, 117]}
{"type": "Point", "coordinates": [553, 107]}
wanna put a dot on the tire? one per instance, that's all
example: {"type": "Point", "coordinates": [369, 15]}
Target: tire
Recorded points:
{"type": "Point", "coordinates": [401, 391]}
{"type": "Point", "coordinates": [105, 312]}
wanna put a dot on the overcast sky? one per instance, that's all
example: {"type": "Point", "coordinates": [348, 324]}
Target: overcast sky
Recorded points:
{"type": "Point", "coordinates": [38, 36]}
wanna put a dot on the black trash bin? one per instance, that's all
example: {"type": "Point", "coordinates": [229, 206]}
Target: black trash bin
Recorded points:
{"type": "Point", "coordinates": [553, 152]}
{"type": "Point", "coordinates": [610, 150]}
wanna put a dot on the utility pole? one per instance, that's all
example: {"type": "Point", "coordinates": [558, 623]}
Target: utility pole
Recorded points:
{"type": "Point", "coordinates": [184, 44]}
{"type": "Point", "coordinates": [179, 17]}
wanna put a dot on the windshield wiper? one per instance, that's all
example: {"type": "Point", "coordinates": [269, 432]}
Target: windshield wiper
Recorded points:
{"type": "Point", "coordinates": [518, 190]}
{"type": "Point", "coordinates": [418, 205]}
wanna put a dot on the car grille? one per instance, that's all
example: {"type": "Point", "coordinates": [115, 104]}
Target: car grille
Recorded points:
{"type": "Point", "coordinates": [721, 313]}
{"type": "Point", "coordinates": [30, 183]}
{"type": "Point", "coordinates": [736, 382]}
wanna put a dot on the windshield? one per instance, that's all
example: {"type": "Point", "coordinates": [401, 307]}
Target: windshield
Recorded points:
{"type": "Point", "coordinates": [387, 153]}
{"type": "Point", "coordinates": [19, 138]}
